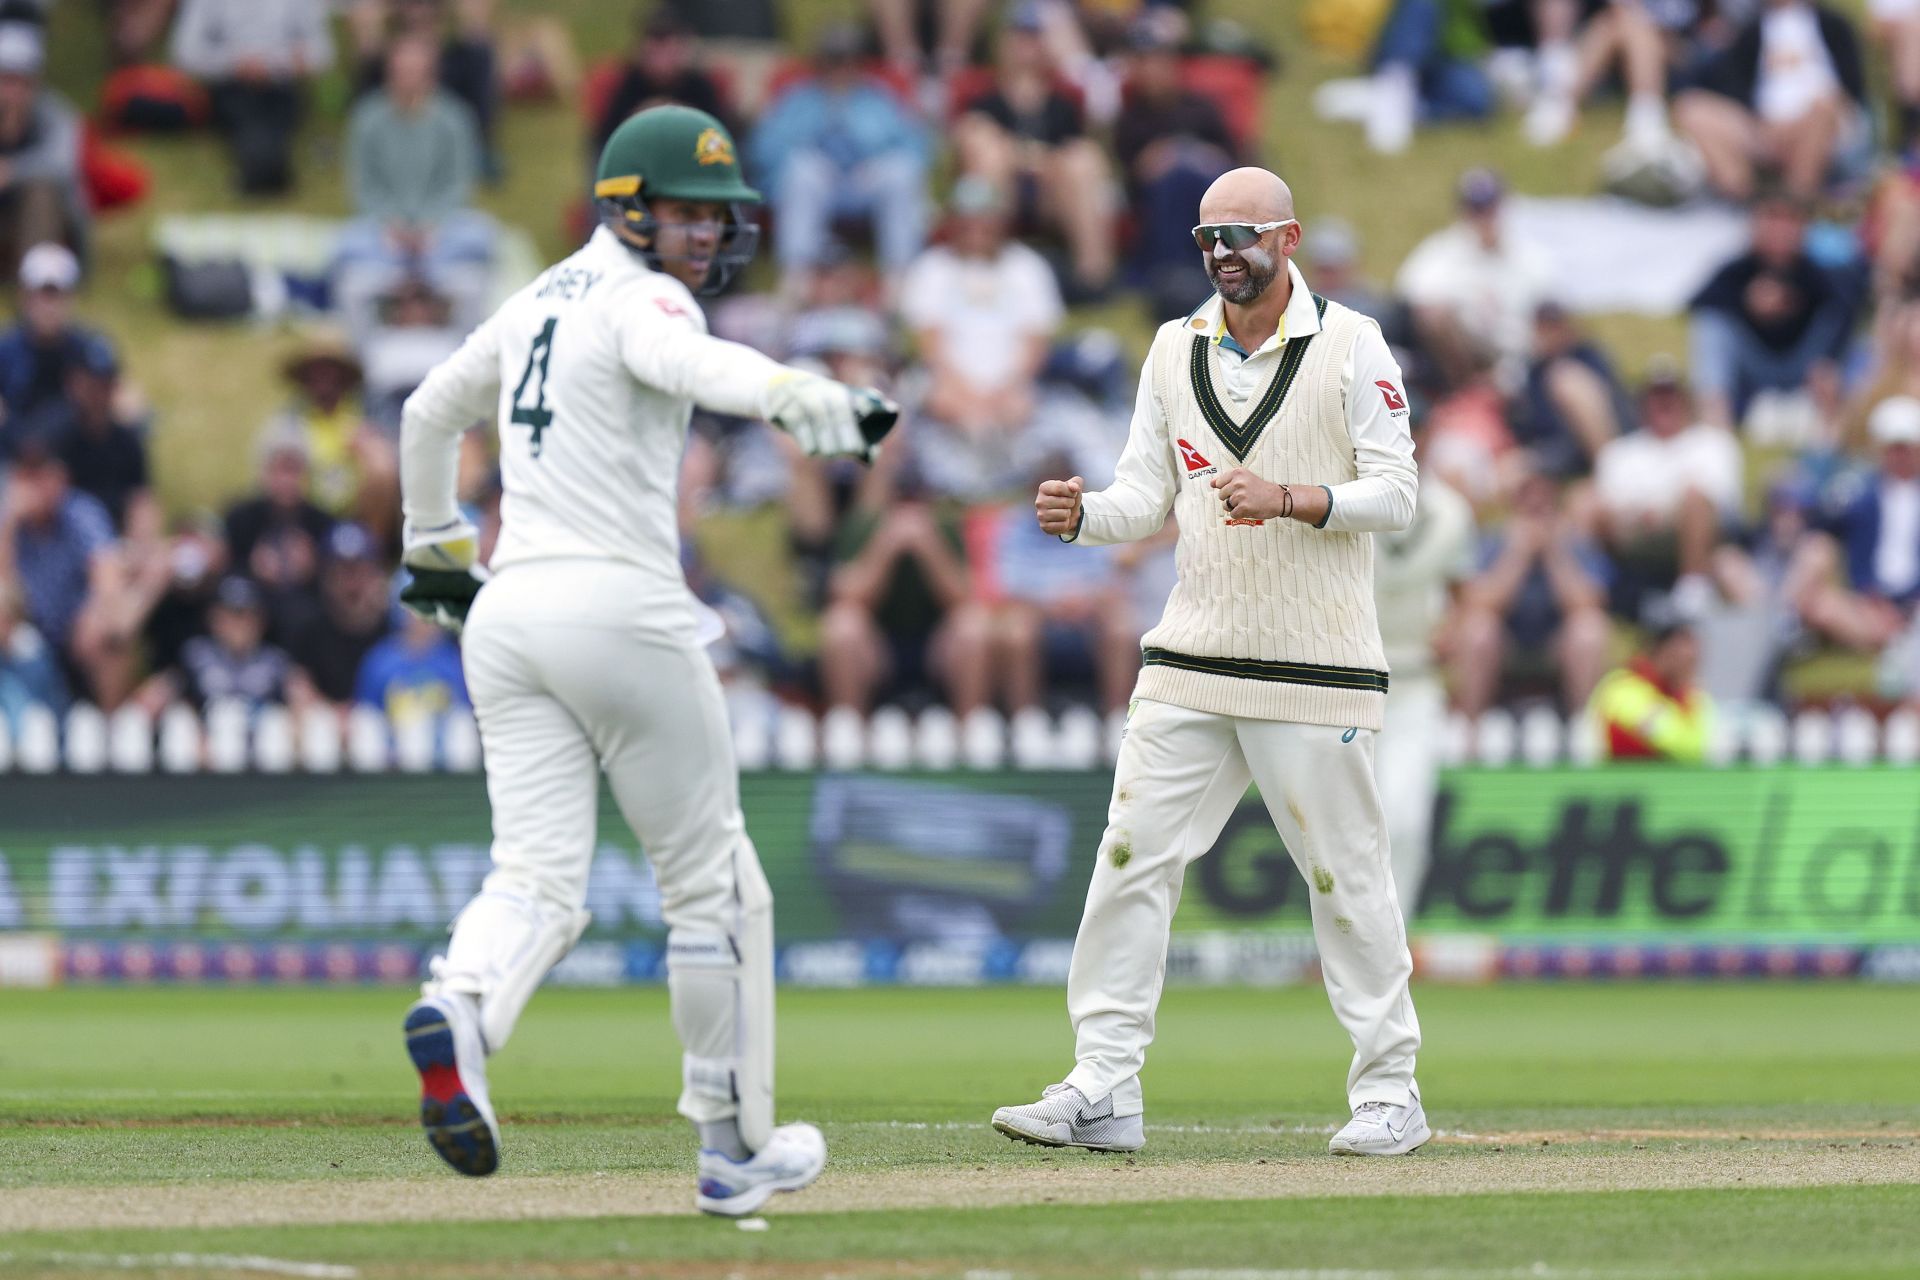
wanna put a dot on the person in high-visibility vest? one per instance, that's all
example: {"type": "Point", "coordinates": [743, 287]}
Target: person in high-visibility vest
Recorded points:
{"type": "Point", "coordinates": [1651, 709]}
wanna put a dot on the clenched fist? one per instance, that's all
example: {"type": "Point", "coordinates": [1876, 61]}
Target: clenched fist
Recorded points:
{"type": "Point", "coordinates": [1058, 506]}
{"type": "Point", "coordinates": [1248, 497]}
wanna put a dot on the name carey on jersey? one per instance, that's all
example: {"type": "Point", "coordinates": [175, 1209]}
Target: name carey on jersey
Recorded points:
{"type": "Point", "coordinates": [569, 284]}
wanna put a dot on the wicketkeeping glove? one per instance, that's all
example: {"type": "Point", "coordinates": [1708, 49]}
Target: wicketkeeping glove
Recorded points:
{"type": "Point", "coordinates": [444, 579]}
{"type": "Point", "coordinates": [829, 418]}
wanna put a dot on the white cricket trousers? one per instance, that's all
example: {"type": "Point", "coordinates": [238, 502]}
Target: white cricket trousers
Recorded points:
{"type": "Point", "coordinates": [579, 667]}
{"type": "Point", "coordinates": [1179, 777]}
{"type": "Point", "coordinates": [1407, 766]}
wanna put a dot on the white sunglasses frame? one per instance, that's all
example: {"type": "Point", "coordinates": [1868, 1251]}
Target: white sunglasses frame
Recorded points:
{"type": "Point", "coordinates": [1259, 229]}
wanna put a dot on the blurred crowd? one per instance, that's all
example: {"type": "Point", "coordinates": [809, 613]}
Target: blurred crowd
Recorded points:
{"type": "Point", "coordinates": [947, 183]}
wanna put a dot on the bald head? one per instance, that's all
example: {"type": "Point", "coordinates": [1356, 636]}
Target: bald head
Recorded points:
{"type": "Point", "coordinates": [1247, 195]}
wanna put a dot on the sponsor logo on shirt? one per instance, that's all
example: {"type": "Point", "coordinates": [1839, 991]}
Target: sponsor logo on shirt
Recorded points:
{"type": "Point", "coordinates": [1396, 402]}
{"type": "Point", "coordinates": [1196, 465]}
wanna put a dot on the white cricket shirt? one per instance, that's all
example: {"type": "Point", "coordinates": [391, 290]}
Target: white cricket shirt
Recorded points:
{"type": "Point", "coordinates": [591, 373]}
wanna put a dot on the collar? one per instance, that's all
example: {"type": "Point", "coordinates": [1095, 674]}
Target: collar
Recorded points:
{"type": "Point", "coordinates": [1300, 320]}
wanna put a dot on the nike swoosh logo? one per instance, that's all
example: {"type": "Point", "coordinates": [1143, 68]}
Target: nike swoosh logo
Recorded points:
{"type": "Point", "coordinates": [1081, 1117]}
{"type": "Point", "coordinates": [1391, 1133]}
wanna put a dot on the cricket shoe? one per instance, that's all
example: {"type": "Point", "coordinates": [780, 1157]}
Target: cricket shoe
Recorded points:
{"type": "Point", "coordinates": [1064, 1118]}
{"type": "Point", "coordinates": [1383, 1129]}
{"type": "Point", "coordinates": [443, 1038]}
{"type": "Point", "coordinates": [793, 1157]}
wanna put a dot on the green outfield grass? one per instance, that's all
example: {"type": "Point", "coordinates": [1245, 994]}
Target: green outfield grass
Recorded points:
{"type": "Point", "coordinates": [1636, 1131]}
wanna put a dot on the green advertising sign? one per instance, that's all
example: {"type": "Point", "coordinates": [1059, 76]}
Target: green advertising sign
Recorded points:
{"type": "Point", "coordinates": [1807, 854]}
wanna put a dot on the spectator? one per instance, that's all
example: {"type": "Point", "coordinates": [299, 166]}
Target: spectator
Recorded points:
{"type": "Point", "coordinates": [933, 38]}
{"type": "Point", "coordinates": [232, 662]}
{"type": "Point", "coordinates": [1789, 95]}
{"type": "Point", "coordinates": [983, 310]}
{"type": "Point", "coordinates": [253, 56]}
{"type": "Point", "coordinates": [1652, 708]}
{"type": "Point", "coordinates": [1877, 533]}
{"type": "Point", "coordinates": [1171, 143]}
{"type": "Point", "coordinates": [1026, 135]}
{"type": "Point", "coordinates": [1539, 596]}
{"type": "Point", "coordinates": [197, 562]}
{"type": "Point", "coordinates": [352, 469]}
{"type": "Point", "coordinates": [277, 536]}
{"type": "Point", "coordinates": [413, 155]}
{"type": "Point", "coordinates": [740, 638]}
{"type": "Point", "coordinates": [412, 675]}
{"type": "Point", "coordinates": [41, 197]}
{"type": "Point", "coordinates": [29, 670]}
{"type": "Point", "coordinates": [355, 613]}
{"type": "Point", "coordinates": [1572, 403]}
{"type": "Point", "coordinates": [466, 65]}
{"type": "Point", "coordinates": [1666, 492]}
{"type": "Point", "coordinates": [1896, 25]}
{"type": "Point", "coordinates": [660, 68]}
{"type": "Point", "coordinates": [1473, 288]}
{"type": "Point", "coordinates": [1632, 37]}
{"type": "Point", "coordinates": [415, 329]}
{"type": "Point", "coordinates": [1426, 65]}
{"type": "Point", "coordinates": [1050, 610]}
{"type": "Point", "coordinates": [37, 354]}
{"type": "Point", "coordinates": [839, 145]}
{"type": "Point", "coordinates": [106, 450]}
{"type": "Point", "coordinates": [849, 342]}
{"type": "Point", "coordinates": [136, 27]}
{"type": "Point", "coordinates": [899, 614]}
{"type": "Point", "coordinates": [1332, 250]}
{"type": "Point", "coordinates": [1771, 319]}
{"type": "Point", "coordinates": [59, 545]}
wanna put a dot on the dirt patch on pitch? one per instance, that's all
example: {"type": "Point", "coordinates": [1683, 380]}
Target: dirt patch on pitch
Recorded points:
{"type": "Point", "coordinates": [1523, 1163]}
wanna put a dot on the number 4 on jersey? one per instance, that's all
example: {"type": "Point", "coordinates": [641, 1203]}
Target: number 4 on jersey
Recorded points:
{"type": "Point", "coordinates": [536, 415]}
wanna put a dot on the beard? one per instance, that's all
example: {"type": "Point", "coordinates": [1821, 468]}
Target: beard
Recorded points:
{"type": "Point", "coordinates": [1261, 270]}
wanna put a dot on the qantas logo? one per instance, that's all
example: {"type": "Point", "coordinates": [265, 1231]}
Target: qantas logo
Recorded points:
{"type": "Point", "coordinates": [1196, 465]}
{"type": "Point", "coordinates": [1396, 403]}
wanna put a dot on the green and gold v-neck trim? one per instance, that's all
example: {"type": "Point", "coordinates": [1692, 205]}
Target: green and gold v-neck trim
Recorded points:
{"type": "Point", "coordinates": [1240, 437]}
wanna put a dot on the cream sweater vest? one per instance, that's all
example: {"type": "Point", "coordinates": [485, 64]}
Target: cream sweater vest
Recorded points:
{"type": "Point", "coordinates": [1273, 621]}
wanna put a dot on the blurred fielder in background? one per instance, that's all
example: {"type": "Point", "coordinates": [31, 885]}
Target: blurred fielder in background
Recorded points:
{"type": "Point", "coordinates": [1414, 570]}
{"type": "Point", "coordinates": [583, 651]}
{"type": "Point", "coordinates": [1274, 425]}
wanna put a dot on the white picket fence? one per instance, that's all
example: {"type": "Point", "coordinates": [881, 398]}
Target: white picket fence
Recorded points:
{"type": "Point", "coordinates": [227, 740]}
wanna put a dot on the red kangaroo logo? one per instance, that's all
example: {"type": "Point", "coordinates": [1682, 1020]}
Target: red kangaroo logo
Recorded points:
{"type": "Point", "coordinates": [1191, 456]}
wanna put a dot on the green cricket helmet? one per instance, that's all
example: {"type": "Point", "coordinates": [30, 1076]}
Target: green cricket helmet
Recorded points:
{"type": "Point", "coordinates": [675, 152]}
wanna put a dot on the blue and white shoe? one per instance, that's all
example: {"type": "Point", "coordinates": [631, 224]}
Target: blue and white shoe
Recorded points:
{"type": "Point", "coordinates": [443, 1038]}
{"type": "Point", "coordinates": [1384, 1129]}
{"type": "Point", "coordinates": [793, 1157]}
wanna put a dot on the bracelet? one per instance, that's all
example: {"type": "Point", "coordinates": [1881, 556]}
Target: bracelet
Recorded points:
{"type": "Point", "coordinates": [1286, 502]}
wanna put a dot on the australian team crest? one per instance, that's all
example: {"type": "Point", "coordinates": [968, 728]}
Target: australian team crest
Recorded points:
{"type": "Point", "coordinates": [712, 147]}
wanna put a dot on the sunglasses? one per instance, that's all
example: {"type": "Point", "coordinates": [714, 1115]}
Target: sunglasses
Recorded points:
{"type": "Point", "coordinates": [1236, 235]}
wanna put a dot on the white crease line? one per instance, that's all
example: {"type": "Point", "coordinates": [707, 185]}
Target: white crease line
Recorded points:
{"type": "Point", "coordinates": [182, 1261]}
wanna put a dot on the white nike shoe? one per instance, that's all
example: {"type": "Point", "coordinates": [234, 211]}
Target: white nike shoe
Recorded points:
{"type": "Point", "coordinates": [793, 1157]}
{"type": "Point", "coordinates": [443, 1039]}
{"type": "Point", "coordinates": [1064, 1118]}
{"type": "Point", "coordinates": [1383, 1129]}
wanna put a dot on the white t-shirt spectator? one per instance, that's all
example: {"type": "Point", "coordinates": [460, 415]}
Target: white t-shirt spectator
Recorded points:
{"type": "Point", "coordinates": [1896, 561]}
{"type": "Point", "coordinates": [1494, 293]}
{"type": "Point", "coordinates": [985, 309]}
{"type": "Point", "coordinates": [1795, 70]}
{"type": "Point", "coordinates": [1640, 474]}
